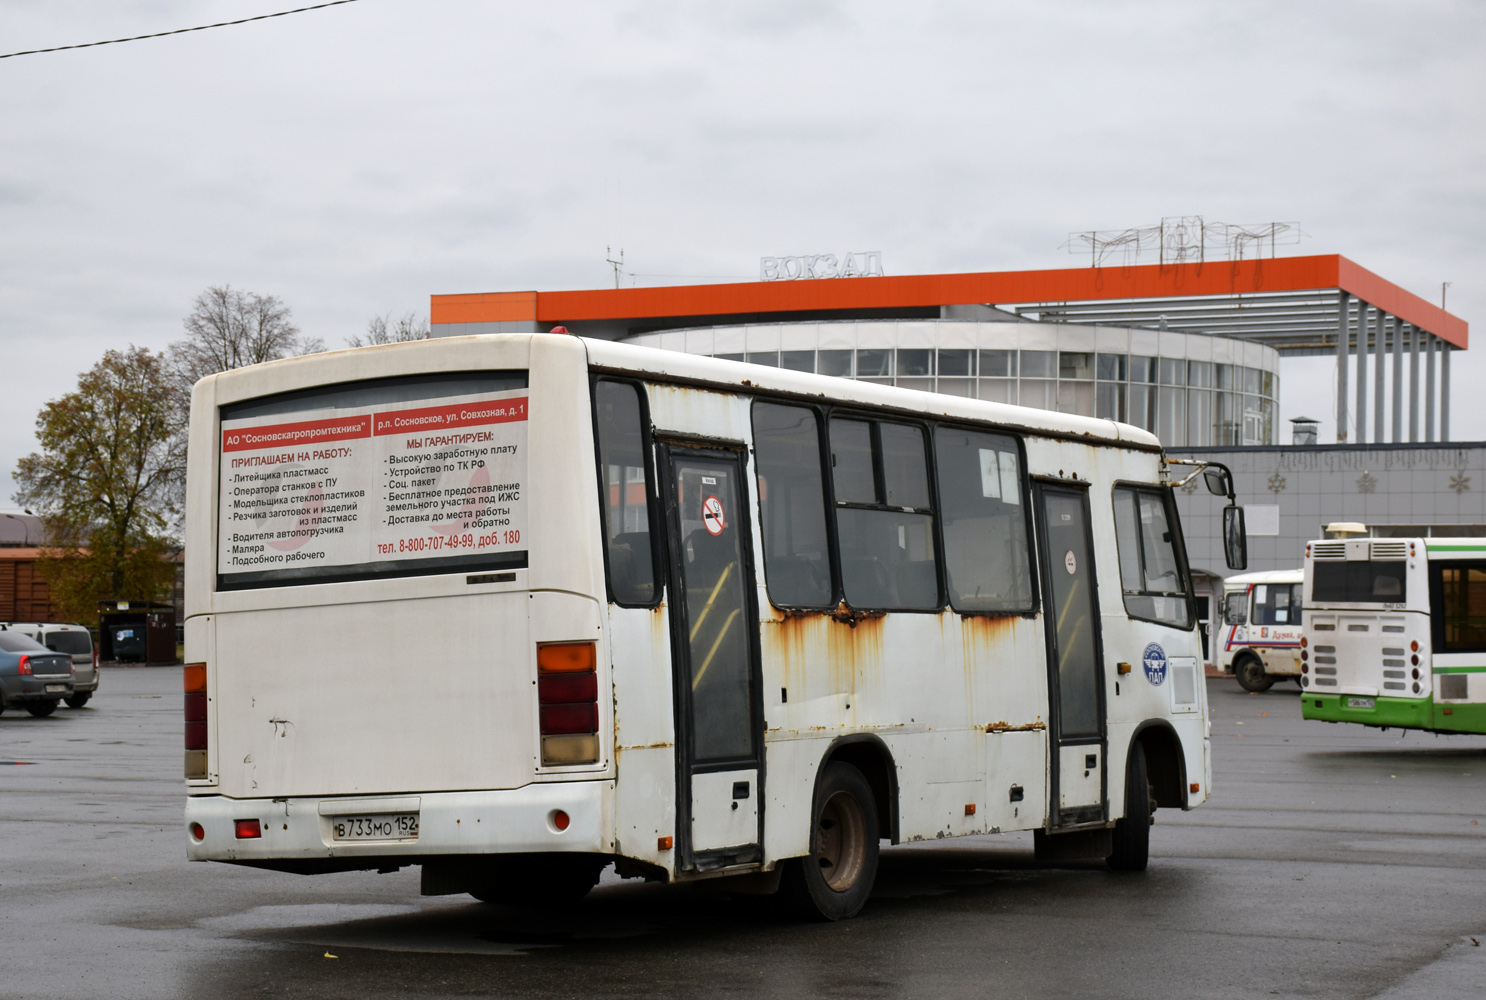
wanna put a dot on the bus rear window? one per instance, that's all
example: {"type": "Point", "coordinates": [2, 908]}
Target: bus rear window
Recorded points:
{"type": "Point", "coordinates": [376, 479]}
{"type": "Point", "coordinates": [1336, 582]}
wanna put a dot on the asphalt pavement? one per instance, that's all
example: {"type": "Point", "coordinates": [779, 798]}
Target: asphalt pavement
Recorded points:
{"type": "Point", "coordinates": [1331, 861]}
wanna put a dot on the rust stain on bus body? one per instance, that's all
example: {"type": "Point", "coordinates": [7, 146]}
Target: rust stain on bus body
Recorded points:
{"type": "Point", "coordinates": [1006, 727]}
{"type": "Point", "coordinates": [849, 648]}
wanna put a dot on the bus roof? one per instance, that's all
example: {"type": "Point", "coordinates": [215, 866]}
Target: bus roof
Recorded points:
{"type": "Point", "coordinates": [733, 375]}
{"type": "Point", "coordinates": [1265, 576]}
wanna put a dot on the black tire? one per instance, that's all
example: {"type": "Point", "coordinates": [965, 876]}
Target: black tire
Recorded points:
{"type": "Point", "coordinates": [1249, 670]}
{"type": "Point", "coordinates": [538, 879]}
{"type": "Point", "coordinates": [1132, 835]}
{"type": "Point", "coordinates": [41, 709]}
{"type": "Point", "coordinates": [834, 880]}
{"type": "Point", "coordinates": [78, 700]}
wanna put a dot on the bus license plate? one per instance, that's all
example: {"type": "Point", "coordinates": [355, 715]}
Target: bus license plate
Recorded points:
{"type": "Point", "coordinates": [56, 689]}
{"type": "Point", "coordinates": [391, 826]}
{"type": "Point", "coordinates": [1361, 703]}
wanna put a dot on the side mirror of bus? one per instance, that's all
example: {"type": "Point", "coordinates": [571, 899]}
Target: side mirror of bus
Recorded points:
{"type": "Point", "coordinates": [1235, 538]}
{"type": "Point", "coordinates": [1217, 480]}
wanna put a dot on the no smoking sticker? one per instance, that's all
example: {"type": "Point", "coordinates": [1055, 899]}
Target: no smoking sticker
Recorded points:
{"type": "Point", "coordinates": [712, 517]}
{"type": "Point", "coordinates": [1070, 562]}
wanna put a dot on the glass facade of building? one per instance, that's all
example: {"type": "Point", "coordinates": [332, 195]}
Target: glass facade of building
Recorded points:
{"type": "Point", "coordinates": [1190, 390]}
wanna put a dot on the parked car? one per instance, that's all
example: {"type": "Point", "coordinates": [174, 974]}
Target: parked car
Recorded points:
{"type": "Point", "coordinates": [74, 640]}
{"type": "Point", "coordinates": [31, 676]}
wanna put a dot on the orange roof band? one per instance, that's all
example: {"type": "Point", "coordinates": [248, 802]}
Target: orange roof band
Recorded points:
{"type": "Point", "coordinates": [1089, 284]}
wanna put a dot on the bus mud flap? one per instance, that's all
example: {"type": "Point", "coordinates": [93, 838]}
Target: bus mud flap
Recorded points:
{"type": "Point", "coordinates": [1079, 845]}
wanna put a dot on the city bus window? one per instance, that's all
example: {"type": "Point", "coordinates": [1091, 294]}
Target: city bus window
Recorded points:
{"type": "Point", "coordinates": [887, 552]}
{"type": "Point", "coordinates": [851, 461]}
{"type": "Point", "coordinates": [987, 560]}
{"type": "Point", "coordinates": [626, 491]}
{"type": "Point", "coordinates": [792, 503]}
{"type": "Point", "coordinates": [1463, 603]}
{"type": "Point", "coordinates": [1150, 572]}
{"type": "Point", "coordinates": [905, 476]}
{"type": "Point", "coordinates": [1276, 604]}
{"type": "Point", "coordinates": [1359, 582]}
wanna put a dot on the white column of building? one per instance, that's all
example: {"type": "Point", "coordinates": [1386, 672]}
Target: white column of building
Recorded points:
{"type": "Point", "coordinates": [1398, 329]}
{"type": "Point", "coordinates": [1380, 356]}
{"type": "Point", "coordinates": [1429, 342]}
{"type": "Point", "coordinates": [1414, 334]}
{"type": "Point", "coordinates": [1362, 308]}
{"type": "Point", "coordinates": [1343, 307]}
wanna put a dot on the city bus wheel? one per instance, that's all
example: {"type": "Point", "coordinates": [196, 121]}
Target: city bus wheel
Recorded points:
{"type": "Point", "coordinates": [1251, 675]}
{"type": "Point", "coordinates": [1132, 835]}
{"type": "Point", "coordinates": [41, 709]}
{"type": "Point", "coordinates": [834, 880]}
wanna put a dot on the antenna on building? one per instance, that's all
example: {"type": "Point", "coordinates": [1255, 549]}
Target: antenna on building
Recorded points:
{"type": "Point", "coordinates": [1444, 287]}
{"type": "Point", "coordinates": [618, 265]}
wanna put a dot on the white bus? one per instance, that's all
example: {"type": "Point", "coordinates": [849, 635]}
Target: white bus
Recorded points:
{"type": "Point", "coordinates": [515, 607]}
{"type": "Point", "coordinates": [1395, 632]}
{"type": "Point", "coordinates": [1260, 633]}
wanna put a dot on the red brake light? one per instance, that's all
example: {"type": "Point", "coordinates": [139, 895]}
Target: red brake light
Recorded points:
{"type": "Point", "coordinates": [25, 667]}
{"type": "Point", "coordinates": [579, 718]}
{"type": "Point", "coordinates": [197, 833]}
{"type": "Point", "coordinates": [247, 829]}
{"type": "Point", "coordinates": [560, 820]}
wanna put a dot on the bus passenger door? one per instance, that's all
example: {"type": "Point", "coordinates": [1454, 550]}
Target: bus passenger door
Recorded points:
{"type": "Point", "coordinates": [714, 622]}
{"type": "Point", "coordinates": [1075, 688]}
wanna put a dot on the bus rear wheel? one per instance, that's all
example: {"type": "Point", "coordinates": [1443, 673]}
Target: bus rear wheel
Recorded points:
{"type": "Point", "coordinates": [1251, 676]}
{"type": "Point", "coordinates": [834, 880]}
{"type": "Point", "coordinates": [1132, 835]}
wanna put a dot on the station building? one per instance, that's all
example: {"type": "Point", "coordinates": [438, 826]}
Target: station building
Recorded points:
{"type": "Point", "coordinates": [1189, 351]}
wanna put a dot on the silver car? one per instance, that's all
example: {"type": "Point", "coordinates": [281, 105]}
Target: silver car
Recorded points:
{"type": "Point", "coordinates": [74, 640]}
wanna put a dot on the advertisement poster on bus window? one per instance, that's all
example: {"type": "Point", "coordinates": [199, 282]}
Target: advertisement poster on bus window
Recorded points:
{"type": "Point", "coordinates": [340, 493]}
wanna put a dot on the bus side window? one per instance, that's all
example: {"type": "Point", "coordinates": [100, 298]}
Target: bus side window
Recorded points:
{"type": "Point", "coordinates": [792, 502]}
{"type": "Point", "coordinates": [626, 493]}
{"type": "Point", "coordinates": [887, 551]}
{"type": "Point", "coordinates": [987, 560]}
{"type": "Point", "coordinates": [1150, 573]}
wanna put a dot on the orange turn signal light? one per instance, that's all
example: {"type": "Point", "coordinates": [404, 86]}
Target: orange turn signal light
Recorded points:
{"type": "Point", "coordinates": [663, 843]}
{"type": "Point", "coordinates": [566, 657]}
{"type": "Point", "coordinates": [1196, 787]}
{"type": "Point", "coordinates": [969, 808]}
{"type": "Point", "coordinates": [194, 677]}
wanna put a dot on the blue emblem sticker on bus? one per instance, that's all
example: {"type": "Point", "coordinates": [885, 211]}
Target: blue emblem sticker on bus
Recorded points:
{"type": "Point", "coordinates": [1154, 659]}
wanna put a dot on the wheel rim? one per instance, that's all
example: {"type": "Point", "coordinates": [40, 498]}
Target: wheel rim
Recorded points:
{"type": "Point", "coordinates": [841, 842]}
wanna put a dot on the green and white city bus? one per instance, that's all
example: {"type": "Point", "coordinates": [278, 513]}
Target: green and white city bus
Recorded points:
{"type": "Point", "coordinates": [1395, 633]}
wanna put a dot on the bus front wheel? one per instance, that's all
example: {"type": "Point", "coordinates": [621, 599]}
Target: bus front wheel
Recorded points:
{"type": "Point", "coordinates": [833, 881]}
{"type": "Point", "coordinates": [1251, 675]}
{"type": "Point", "coordinates": [1132, 835]}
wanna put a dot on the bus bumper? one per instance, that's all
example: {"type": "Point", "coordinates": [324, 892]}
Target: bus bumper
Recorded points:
{"type": "Point", "coordinates": [490, 822]}
{"type": "Point", "coordinates": [1411, 713]}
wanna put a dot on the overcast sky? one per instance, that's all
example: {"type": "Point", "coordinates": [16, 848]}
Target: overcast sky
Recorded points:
{"type": "Point", "coordinates": [354, 160]}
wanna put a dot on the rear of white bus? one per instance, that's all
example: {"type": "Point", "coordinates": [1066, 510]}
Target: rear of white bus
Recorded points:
{"type": "Point", "coordinates": [1366, 638]}
{"type": "Point", "coordinates": [394, 612]}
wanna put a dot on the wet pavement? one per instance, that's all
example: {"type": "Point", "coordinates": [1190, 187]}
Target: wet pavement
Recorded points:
{"type": "Point", "coordinates": [1332, 861]}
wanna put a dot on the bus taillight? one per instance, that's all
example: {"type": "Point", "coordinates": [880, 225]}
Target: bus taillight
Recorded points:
{"type": "Point", "coordinates": [195, 685]}
{"type": "Point", "coordinates": [567, 696]}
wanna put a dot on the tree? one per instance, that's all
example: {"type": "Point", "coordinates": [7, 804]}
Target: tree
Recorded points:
{"type": "Point", "coordinates": [228, 328]}
{"type": "Point", "coordinates": [381, 330]}
{"type": "Point", "coordinates": [107, 482]}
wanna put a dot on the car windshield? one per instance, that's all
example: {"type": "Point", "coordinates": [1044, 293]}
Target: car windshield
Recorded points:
{"type": "Point", "coordinates": [69, 642]}
{"type": "Point", "coordinates": [14, 642]}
